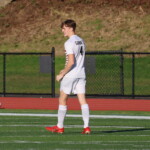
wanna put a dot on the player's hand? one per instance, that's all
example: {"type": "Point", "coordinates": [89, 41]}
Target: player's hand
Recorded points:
{"type": "Point", "coordinates": [59, 77]}
{"type": "Point", "coordinates": [61, 71]}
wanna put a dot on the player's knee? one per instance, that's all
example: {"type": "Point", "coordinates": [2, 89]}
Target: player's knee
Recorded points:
{"type": "Point", "coordinates": [62, 102]}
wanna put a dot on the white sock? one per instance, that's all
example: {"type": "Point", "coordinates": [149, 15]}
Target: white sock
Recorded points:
{"type": "Point", "coordinates": [85, 114]}
{"type": "Point", "coordinates": [62, 110]}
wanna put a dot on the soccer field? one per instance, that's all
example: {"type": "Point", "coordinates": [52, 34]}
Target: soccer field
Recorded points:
{"type": "Point", "coordinates": [28, 133]}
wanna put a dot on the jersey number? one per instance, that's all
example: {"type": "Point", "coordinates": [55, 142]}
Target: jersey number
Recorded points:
{"type": "Point", "coordinates": [81, 50]}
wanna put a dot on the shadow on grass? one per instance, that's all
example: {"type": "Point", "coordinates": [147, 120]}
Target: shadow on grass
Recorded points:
{"type": "Point", "coordinates": [114, 131]}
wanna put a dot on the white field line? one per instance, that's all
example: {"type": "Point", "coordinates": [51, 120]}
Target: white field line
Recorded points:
{"type": "Point", "coordinates": [75, 115]}
{"type": "Point", "coordinates": [83, 142]}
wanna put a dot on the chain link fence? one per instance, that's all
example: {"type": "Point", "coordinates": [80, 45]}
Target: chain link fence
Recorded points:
{"type": "Point", "coordinates": [110, 73]}
{"type": "Point", "coordinates": [27, 74]}
{"type": "Point", "coordinates": [124, 74]}
{"type": "Point", "coordinates": [104, 74]}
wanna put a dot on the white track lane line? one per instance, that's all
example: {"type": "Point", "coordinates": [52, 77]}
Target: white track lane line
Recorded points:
{"type": "Point", "coordinates": [75, 116]}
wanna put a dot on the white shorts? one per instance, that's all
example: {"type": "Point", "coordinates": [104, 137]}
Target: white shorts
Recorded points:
{"type": "Point", "coordinates": [73, 85]}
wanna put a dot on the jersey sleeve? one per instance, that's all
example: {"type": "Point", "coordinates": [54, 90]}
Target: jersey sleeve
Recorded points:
{"type": "Point", "coordinates": [69, 48]}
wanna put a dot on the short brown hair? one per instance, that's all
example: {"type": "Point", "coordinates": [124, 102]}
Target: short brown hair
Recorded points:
{"type": "Point", "coordinates": [69, 23]}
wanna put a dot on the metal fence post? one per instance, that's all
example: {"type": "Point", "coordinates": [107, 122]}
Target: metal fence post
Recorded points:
{"type": "Point", "coordinates": [122, 72]}
{"type": "Point", "coordinates": [53, 72]}
{"type": "Point", "coordinates": [133, 75]}
{"type": "Point", "coordinates": [4, 74]}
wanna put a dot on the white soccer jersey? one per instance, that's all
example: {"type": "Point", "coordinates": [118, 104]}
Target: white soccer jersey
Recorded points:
{"type": "Point", "coordinates": [75, 45]}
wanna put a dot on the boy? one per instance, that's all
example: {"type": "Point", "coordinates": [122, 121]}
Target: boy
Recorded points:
{"type": "Point", "coordinates": [72, 77]}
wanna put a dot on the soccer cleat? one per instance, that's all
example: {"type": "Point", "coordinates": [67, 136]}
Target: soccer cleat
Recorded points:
{"type": "Point", "coordinates": [55, 129]}
{"type": "Point", "coordinates": [86, 130]}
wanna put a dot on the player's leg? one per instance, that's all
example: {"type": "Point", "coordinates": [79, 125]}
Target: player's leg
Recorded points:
{"type": "Point", "coordinates": [65, 90]}
{"type": "Point", "coordinates": [62, 109]}
{"type": "Point", "coordinates": [82, 99]}
{"type": "Point", "coordinates": [80, 91]}
{"type": "Point", "coordinates": [85, 113]}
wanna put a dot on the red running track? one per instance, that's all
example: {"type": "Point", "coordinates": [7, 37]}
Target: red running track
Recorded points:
{"type": "Point", "coordinates": [95, 104]}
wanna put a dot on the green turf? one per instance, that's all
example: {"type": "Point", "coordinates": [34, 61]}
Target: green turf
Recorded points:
{"type": "Point", "coordinates": [26, 133]}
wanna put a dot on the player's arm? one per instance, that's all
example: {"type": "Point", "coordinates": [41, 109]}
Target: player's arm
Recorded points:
{"type": "Point", "coordinates": [67, 68]}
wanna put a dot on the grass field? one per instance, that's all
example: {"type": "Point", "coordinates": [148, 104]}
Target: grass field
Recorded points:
{"type": "Point", "coordinates": [28, 133]}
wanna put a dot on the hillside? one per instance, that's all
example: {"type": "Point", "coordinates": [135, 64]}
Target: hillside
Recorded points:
{"type": "Point", "coordinates": [34, 25]}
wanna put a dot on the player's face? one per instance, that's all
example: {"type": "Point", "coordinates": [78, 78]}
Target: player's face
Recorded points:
{"type": "Point", "coordinates": [66, 30]}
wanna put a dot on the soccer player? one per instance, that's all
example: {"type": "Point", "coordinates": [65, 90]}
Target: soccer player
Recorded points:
{"type": "Point", "coordinates": [72, 78]}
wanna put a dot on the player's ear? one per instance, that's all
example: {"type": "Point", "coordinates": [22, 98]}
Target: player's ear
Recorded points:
{"type": "Point", "coordinates": [71, 29]}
